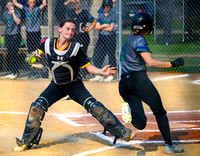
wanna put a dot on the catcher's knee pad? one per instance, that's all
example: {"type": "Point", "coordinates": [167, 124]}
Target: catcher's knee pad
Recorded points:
{"type": "Point", "coordinates": [33, 132]}
{"type": "Point", "coordinates": [107, 119]}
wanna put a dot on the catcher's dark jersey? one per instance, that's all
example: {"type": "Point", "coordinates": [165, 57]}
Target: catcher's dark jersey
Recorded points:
{"type": "Point", "coordinates": [130, 57]}
{"type": "Point", "coordinates": [64, 63]}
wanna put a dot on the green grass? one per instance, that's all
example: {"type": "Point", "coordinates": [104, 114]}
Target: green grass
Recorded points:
{"type": "Point", "coordinates": [179, 48]}
{"type": "Point", "coordinates": [175, 49]}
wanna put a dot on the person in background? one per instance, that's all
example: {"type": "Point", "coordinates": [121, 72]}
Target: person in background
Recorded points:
{"type": "Point", "coordinates": [82, 17]}
{"type": "Point", "coordinates": [113, 10]}
{"type": "Point", "coordinates": [12, 19]}
{"type": "Point", "coordinates": [106, 44]}
{"type": "Point", "coordinates": [135, 86]}
{"type": "Point", "coordinates": [33, 30]}
{"type": "Point", "coordinates": [65, 58]}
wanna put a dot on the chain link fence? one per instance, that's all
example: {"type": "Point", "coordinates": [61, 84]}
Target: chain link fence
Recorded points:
{"type": "Point", "coordinates": [176, 34]}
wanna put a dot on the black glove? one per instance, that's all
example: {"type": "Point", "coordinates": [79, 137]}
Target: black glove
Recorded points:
{"type": "Point", "coordinates": [178, 62]}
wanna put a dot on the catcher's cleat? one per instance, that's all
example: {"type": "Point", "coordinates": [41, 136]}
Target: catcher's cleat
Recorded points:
{"type": "Point", "coordinates": [126, 113]}
{"type": "Point", "coordinates": [20, 146]}
{"type": "Point", "coordinates": [131, 136]}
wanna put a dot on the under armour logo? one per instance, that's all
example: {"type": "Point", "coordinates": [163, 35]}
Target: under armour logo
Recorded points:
{"type": "Point", "coordinates": [59, 58]}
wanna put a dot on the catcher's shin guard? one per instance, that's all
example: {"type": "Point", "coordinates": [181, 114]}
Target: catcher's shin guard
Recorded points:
{"type": "Point", "coordinates": [108, 120]}
{"type": "Point", "coordinates": [33, 132]}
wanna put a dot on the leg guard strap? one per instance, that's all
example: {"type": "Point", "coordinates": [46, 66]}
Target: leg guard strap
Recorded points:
{"type": "Point", "coordinates": [35, 140]}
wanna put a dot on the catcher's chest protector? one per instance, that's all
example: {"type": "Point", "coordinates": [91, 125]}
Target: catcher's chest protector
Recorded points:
{"type": "Point", "coordinates": [62, 63]}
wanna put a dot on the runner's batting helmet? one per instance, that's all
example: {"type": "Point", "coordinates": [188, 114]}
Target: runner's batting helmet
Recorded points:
{"type": "Point", "coordinates": [142, 21]}
{"type": "Point", "coordinates": [107, 2]}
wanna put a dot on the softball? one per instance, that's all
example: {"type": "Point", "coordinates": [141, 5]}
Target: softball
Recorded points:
{"type": "Point", "coordinates": [33, 60]}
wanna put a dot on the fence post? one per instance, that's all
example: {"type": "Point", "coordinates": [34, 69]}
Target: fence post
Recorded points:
{"type": "Point", "coordinates": [183, 39]}
{"type": "Point", "coordinates": [50, 19]}
{"type": "Point", "coordinates": [155, 22]}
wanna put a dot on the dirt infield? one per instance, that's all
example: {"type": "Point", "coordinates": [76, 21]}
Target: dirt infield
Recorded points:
{"type": "Point", "coordinates": [69, 130]}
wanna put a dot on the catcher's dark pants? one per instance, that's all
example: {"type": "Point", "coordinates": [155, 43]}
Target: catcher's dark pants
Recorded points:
{"type": "Point", "coordinates": [106, 44]}
{"type": "Point", "coordinates": [76, 90]}
{"type": "Point", "coordinates": [136, 87]}
{"type": "Point", "coordinates": [12, 44]}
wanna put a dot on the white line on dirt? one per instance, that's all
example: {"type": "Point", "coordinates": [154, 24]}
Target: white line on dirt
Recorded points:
{"type": "Point", "coordinates": [83, 115]}
{"type": "Point", "coordinates": [68, 121]}
{"type": "Point", "coordinates": [177, 129]}
{"type": "Point", "coordinates": [121, 143]}
{"type": "Point", "coordinates": [197, 82]}
{"type": "Point", "coordinates": [169, 77]}
{"type": "Point", "coordinates": [65, 117]}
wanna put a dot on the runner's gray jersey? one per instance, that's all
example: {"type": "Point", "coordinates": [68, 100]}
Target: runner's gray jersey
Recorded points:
{"type": "Point", "coordinates": [130, 57]}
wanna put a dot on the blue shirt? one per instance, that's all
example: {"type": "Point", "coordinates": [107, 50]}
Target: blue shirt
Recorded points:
{"type": "Point", "coordinates": [102, 19]}
{"type": "Point", "coordinates": [12, 28]}
{"type": "Point", "coordinates": [32, 19]}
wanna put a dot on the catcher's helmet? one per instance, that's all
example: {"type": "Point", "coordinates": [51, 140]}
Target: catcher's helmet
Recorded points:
{"type": "Point", "coordinates": [107, 2]}
{"type": "Point", "coordinates": [142, 21]}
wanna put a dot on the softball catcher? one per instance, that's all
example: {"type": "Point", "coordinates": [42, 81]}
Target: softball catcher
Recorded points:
{"type": "Point", "coordinates": [65, 58]}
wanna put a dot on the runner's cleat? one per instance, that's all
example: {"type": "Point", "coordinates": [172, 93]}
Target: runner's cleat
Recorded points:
{"type": "Point", "coordinates": [173, 149]}
{"type": "Point", "coordinates": [126, 113]}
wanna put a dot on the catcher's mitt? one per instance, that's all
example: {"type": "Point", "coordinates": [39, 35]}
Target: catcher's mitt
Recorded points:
{"type": "Point", "coordinates": [34, 60]}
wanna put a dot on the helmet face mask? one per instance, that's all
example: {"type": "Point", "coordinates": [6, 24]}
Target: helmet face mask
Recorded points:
{"type": "Point", "coordinates": [142, 21]}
